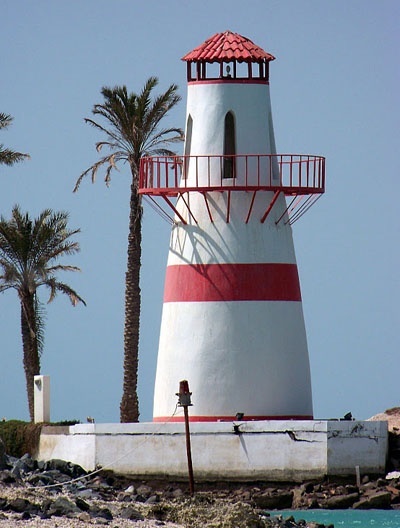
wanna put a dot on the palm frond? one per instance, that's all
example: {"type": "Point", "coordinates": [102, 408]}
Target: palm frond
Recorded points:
{"type": "Point", "coordinates": [108, 132]}
{"type": "Point", "coordinates": [56, 286]}
{"type": "Point", "coordinates": [61, 267]}
{"type": "Point", "coordinates": [10, 157]}
{"type": "Point", "coordinates": [111, 159]}
{"type": "Point", "coordinates": [7, 156]}
{"type": "Point", "coordinates": [5, 120]}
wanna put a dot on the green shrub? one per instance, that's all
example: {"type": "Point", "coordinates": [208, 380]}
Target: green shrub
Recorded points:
{"type": "Point", "coordinates": [23, 437]}
{"type": "Point", "coordinates": [66, 422]}
{"type": "Point", "coordinates": [20, 437]}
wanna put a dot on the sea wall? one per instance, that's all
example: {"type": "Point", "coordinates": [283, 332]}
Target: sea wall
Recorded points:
{"type": "Point", "coordinates": [254, 450]}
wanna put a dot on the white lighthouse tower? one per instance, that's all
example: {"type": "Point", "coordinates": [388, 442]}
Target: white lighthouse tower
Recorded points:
{"type": "Point", "coordinates": [232, 321]}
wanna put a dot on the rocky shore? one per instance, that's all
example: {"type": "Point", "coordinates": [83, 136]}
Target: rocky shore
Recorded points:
{"type": "Point", "coordinates": [58, 493]}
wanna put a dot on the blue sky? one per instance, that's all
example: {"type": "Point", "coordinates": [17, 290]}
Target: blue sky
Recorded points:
{"type": "Point", "coordinates": [334, 91]}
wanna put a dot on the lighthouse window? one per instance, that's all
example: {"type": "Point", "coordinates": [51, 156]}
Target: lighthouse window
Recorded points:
{"type": "Point", "coordinates": [188, 144]}
{"type": "Point", "coordinates": [229, 166]}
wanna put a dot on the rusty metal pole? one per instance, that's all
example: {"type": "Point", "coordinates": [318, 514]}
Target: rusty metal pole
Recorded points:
{"type": "Point", "coordinates": [188, 451]}
{"type": "Point", "coordinates": [185, 402]}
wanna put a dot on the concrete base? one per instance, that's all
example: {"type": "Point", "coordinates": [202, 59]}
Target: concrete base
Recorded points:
{"type": "Point", "coordinates": [255, 450]}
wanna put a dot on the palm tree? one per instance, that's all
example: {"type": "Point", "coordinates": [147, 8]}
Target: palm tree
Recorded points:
{"type": "Point", "coordinates": [7, 156]}
{"type": "Point", "coordinates": [29, 255]}
{"type": "Point", "coordinates": [131, 126]}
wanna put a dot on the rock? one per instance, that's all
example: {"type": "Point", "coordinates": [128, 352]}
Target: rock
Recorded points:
{"type": "Point", "coordinates": [100, 520]}
{"type": "Point", "coordinates": [299, 498]}
{"type": "Point", "coordinates": [368, 486]}
{"type": "Point", "coordinates": [140, 498]}
{"type": "Point", "coordinates": [19, 505]}
{"type": "Point", "coordinates": [153, 499]}
{"type": "Point", "coordinates": [307, 487]}
{"type": "Point", "coordinates": [131, 514]}
{"type": "Point", "coordinates": [62, 506]}
{"type": "Point", "coordinates": [82, 505]}
{"type": "Point", "coordinates": [103, 513]}
{"type": "Point", "coordinates": [10, 461]}
{"type": "Point", "coordinates": [86, 494]}
{"type": "Point", "coordinates": [176, 493]}
{"type": "Point", "coordinates": [289, 521]}
{"type": "Point", "coordinates": [27, 463]}
{"type": "Point", "coordinates": [245, 496]}
{"type": "Point", "coordinates": [339, 490]}
{"type": "Point", "coordinates": [144, 491]}
{"type": "Point", "coordinates": [84, 516]}
{"type": "Point", "coordinates": [67, 468]}
{"type": "Point", "coordinates": [313, 504]}
{"type": "Point", "coordinates": [393, 475]}
{"type": "Point", "coordinates": [275, 501]}
{"type": "Point", "coordinates": [380, 500]}
{"type": "Point", "coordinates": [393, 490]}
{"type": "Point", "coordinates": [392, 416]}
{"type": "Point", "coordinates": [395, 494]}
{"type": "Point", "coordinates": [7, 477]}
{"type": "Point", "coordinates": [99, 484]}
{"type": "Point", "coordinates": [350, 488]}
{"type": "Point", "coordinates": [125, 497]}
{"type": "Point", "coordinates": [341, 502]}
{"type": "Point", "coordinates": [55, 475]}
{"type": "Point", "coordinates": [40, 479]}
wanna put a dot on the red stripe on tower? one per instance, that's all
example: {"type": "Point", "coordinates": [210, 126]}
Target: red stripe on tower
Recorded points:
{"type": "Point", "coordinates": [232, 282]}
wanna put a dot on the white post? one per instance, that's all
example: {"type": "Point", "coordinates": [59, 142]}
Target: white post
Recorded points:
{"type": "Point", "coordinates": [358, 476]}
{"type": "Point", "coordinates": [41, 392]}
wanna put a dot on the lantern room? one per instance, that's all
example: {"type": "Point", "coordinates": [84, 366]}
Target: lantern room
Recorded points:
{"type": "Point", "coordinates": [228, 56]}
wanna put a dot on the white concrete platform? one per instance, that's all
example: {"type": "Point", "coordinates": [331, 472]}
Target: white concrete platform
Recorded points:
{"type": "Point", "coordinates": [257, 450]}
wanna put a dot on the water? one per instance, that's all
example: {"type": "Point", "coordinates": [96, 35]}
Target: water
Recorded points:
{"type": "Point", "coordinates": [348, 518]}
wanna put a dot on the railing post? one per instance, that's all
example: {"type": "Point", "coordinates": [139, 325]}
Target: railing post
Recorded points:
{"type": "Point", "coordinates": [315, 172]}
{"type": "Point", "coordinates": [300, 160]}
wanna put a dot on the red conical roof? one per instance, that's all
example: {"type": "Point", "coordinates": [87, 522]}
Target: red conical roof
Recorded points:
{"type": "Point", "coordinates": [228, 46]}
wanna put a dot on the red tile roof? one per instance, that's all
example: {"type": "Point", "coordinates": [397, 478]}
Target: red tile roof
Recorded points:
{"type": "Point", "coordinates": [228, 46]}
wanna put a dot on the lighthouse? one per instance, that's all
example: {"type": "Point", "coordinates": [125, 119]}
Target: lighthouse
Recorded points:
{"type": "Point", "coordinates": [232, 320]}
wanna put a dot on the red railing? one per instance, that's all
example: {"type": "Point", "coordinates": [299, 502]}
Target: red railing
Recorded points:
{"type": "Point", "coordinates": [293, 174]}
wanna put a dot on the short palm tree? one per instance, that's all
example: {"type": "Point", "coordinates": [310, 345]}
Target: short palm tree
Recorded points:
{"type": "Point", "coordinates": [29, 255]}
{"type": "Point", "coordinates": [131, 127]}
{"type": "Point", "coordinates": [7, 156]}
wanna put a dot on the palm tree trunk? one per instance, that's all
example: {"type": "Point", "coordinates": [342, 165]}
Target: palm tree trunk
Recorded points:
{"type": "Point", "coordinates": [129, 408]}
{"type": "Point", "coordinates": [30, 346]}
